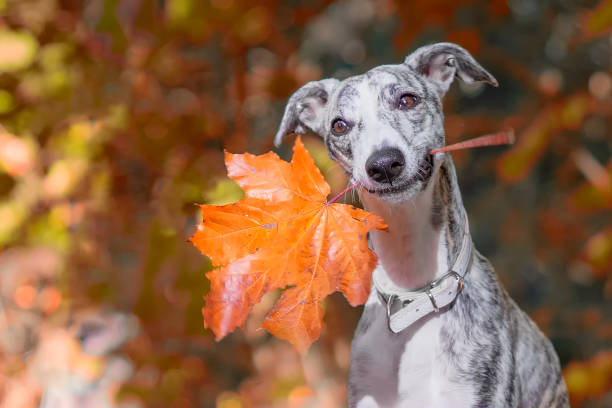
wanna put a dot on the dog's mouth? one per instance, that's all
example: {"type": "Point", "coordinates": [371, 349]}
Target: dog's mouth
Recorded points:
{"type": "Point", "coordinates": [423, 174]}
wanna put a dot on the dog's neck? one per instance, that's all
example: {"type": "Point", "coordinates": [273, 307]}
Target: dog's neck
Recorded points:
{"type": "Point", "coordinates": [424, 235]}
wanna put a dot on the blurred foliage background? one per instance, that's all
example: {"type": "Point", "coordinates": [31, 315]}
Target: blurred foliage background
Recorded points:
{"type": "Point", "coordinates": [114, 115]}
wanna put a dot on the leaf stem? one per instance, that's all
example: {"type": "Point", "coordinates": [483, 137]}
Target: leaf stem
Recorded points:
{"type": "Point", "coordinates": [500, 138]}
{"type": "Point", "coordinates": [343, 192]}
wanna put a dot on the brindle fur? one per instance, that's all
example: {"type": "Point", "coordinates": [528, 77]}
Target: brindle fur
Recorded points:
{"type": "Point", "coordinates": [483, 350]}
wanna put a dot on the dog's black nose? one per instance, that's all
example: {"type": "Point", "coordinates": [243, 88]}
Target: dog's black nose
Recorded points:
{"type": "Point", "coordinates": [385, 165]}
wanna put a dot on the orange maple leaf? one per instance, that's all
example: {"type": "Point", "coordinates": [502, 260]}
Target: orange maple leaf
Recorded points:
{"type": "Point", "coordinates": [283, 234]}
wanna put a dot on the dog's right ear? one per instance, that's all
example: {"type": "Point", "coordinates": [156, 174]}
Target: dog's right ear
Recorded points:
{"type": "Point", "coordinates": [440, 63]}
{"type": "Point", "coordinates": [305, 109]}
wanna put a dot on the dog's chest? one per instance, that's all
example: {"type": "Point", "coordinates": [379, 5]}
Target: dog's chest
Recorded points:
{"type": "Point", "coordinates": [427, 375]}
{"type": "Point", "coordinates": [412, 367]}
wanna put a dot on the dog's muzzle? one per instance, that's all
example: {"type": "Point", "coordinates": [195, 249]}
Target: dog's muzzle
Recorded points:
{"type": "Point", "coordinates": [385, 168]}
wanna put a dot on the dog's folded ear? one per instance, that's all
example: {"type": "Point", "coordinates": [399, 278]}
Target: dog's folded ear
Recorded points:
{"type": "Point", "coordinates": [441, 62]}
{"type": "Point", "coordinates": [305, 109]}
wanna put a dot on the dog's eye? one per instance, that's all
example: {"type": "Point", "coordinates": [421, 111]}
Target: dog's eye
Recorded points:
{"type": "Point", "coordinates": [339, 127]}
{"type": "Point", "coordinates": [407, 101]}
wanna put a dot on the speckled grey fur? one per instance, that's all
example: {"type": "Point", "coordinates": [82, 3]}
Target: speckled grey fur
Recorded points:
{"type": "Point", "coordinates": [484, 350]}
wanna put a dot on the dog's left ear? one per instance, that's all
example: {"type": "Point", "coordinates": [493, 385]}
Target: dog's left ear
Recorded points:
{"type": "Point", "coordinates": [441, 62]}
{"type": "Point", "coordinates": [305, 109]}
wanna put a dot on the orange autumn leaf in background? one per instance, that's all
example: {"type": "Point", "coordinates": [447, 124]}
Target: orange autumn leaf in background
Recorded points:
{"type": "Point", "coordinates": [283, 234]}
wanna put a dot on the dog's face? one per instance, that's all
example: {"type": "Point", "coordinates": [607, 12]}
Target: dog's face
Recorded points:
{"type": "Point", "coordinates": [380, 126]}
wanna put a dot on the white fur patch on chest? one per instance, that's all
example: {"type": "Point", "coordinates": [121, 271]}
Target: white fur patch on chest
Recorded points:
{"type": "Point", "coordinates": [409, 369]}
{"type": "Point", "coordinates": [426, 374]}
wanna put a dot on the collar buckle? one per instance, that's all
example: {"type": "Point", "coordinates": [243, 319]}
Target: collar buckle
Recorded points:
{"type": "Point", "coordinates": [433, 301]}
{"type": "Point", "coordinates": [392, 301]}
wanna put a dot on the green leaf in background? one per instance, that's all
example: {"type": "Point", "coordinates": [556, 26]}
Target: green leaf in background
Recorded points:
{"type": "Point", "coordinates": [7, 102]}
{"type": "Point", "coordinates": [600, 20]}
{"type": "Point", "coordinates": [598, 251]}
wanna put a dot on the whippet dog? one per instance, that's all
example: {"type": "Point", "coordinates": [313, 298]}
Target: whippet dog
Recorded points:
{"type": "Point", "coordinates": [438, 329]}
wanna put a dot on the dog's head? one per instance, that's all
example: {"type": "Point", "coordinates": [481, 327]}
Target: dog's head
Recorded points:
{"type": "Point", "coordinates": [380, 126]}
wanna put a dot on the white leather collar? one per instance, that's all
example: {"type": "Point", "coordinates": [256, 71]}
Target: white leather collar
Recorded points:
{"type": "Point", "coordinates": [406, 307]}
